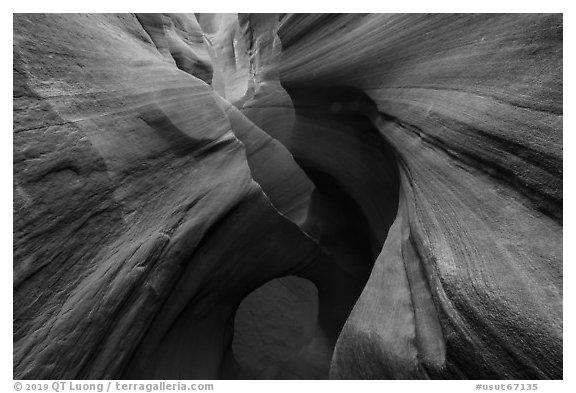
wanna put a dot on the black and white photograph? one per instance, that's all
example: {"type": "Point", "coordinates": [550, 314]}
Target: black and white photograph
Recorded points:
{"type": "Point", "coordinates": [208, 197]}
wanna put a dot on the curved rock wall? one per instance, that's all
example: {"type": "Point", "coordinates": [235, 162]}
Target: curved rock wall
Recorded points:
{"type": "Point", "coordinates": [472, 107]}
{"type": "Point", "coordinates": [166, 166]}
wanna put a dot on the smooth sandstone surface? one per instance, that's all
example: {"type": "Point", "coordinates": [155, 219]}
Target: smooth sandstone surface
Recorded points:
{"type": "Point", "coordinates": [472, 108]}
{"type": "Point", "coordinates": [349, 196]}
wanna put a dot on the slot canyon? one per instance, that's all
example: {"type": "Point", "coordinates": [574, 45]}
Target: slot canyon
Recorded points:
{"type": "Point", "coordinates": [287, 196]}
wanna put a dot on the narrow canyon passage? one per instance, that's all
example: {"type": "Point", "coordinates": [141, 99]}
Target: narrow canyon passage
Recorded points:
{"type": "Point", "coordinates": [287, 196]}
{"type": "Point", "coordinates": [353, 204]}
{"type": "Point", "coordinates": [355, 198]}
{"type": "Point", "coordinates": [288, 327]}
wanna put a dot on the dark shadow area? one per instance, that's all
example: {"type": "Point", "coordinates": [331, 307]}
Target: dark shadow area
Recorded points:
{"type": "Point", "coordinates": [352, 208]}
{"type": "Point", "coordinates": [288, 326]}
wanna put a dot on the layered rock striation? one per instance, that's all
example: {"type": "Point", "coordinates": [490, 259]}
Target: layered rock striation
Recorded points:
{"type": "Point", "coordinates": [292, 196]}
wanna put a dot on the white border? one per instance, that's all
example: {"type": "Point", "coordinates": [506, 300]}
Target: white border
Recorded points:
{"type": "Point", "coordinates": [492, 6]}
